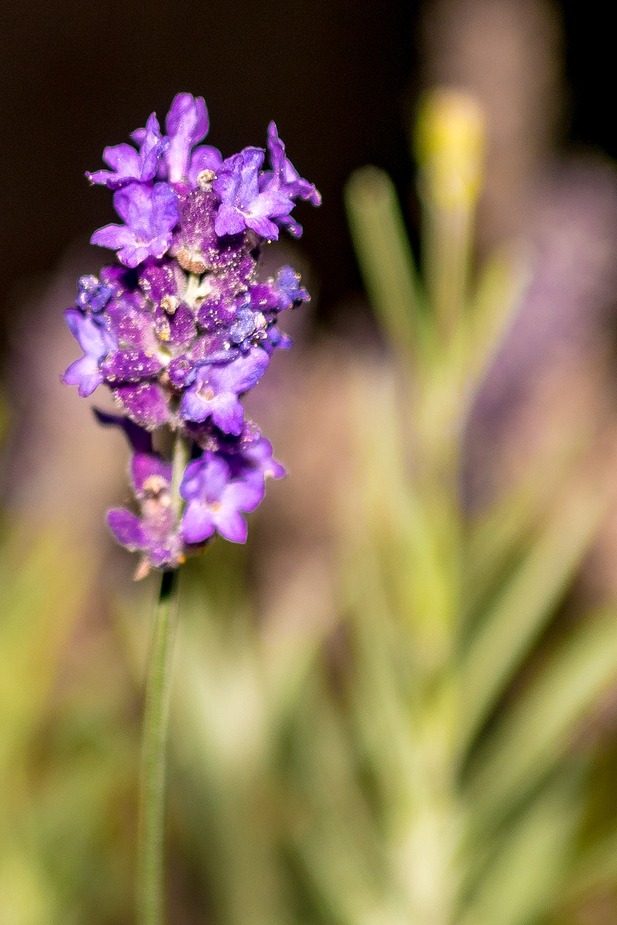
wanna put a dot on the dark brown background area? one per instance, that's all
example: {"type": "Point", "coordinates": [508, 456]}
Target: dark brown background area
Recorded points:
{"type": "Point", "coordinates": [76, 76]}
{"type": "Point", "coordinates": [80, 75]}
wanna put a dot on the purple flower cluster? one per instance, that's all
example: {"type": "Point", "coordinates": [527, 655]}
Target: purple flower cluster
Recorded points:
{"type": "Point", "coordinates": [183, 326]}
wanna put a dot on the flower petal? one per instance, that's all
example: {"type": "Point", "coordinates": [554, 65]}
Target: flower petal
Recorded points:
{"type": "Point", "coordinates": [146, 465]}
{"type": "Point", "coordinates": [197, 522]}
{"type": "Point", "coordinates": [227, 413]}
{"type": "Point", "coordinates": [243, 496]}
{"type": "Point", "coordinates": [231, 525]}
{"type": "Point", "coordinates": [127, 529]}
{"type": "Point", "coordinates": [85, 374]}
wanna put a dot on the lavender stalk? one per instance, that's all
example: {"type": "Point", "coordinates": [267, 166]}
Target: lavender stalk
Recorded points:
{"type": "Point", "coordinates": [180, 329]}
{"type": "Point", "coordinates": [150, 863]}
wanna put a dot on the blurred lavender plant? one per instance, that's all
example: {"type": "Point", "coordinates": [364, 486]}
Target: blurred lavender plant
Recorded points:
{"type": "Point", "coordinates": [466, 727]}
{"type": "Point", "coordinates": [183, 327]}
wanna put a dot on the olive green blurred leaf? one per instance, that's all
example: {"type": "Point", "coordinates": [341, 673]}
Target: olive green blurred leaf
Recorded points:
{"type": "Point", "coordinates": [527, 602]}
{"type": "Point", "coordinates": [527, 869]}
{"type": "Point", "coordinates": [535, 731]}
{"type": "Point", "coordinates": [385, 257]}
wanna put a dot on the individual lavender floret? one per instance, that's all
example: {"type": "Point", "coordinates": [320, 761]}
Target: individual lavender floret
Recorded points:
{"type": "Point", "coordinates": [187, 124]}
{"type": "Point", "coordinates": [286, 179]}
{"type": "Point", "coordinates": [155, 532]}
{"type": "Point", "coordinates": [216, 390]}
{"type": "Point", "coordinates": [243, 203]}
{"type": "Point", "coordinates": [92, 294]}
{"type": "Point", "coordinates": [291, 291]}
{"type": "Point", "coordinates": [127, 164]}
{"type": "Point", "coordinates": [96, 342]}
{"type": "Point", "coordinates": [286, 175]}
{"type": "Point", "coordinates": [253, 461]}
{"type": "Point", "coordinates": [216, 501]}
{"type": "Point", "coordinates": [150, 214]}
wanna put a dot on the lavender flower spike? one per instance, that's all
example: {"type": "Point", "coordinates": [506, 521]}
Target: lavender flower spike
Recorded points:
{"type": "Point", "coordinates": [184, 325]}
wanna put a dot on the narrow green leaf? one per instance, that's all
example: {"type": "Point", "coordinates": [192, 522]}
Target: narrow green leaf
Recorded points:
{"type": "Point", "coordinates": [534, 733]}
{"type": "Point", "coordinates": [528, 866]}
{"type": "Point", "coordinates": [384, 255]}
{"type": "Point", "coordinates": [526, 604]}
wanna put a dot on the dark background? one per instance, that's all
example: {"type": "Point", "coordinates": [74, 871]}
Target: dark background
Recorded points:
{"type": "Point", "coordinates": [334, 75]}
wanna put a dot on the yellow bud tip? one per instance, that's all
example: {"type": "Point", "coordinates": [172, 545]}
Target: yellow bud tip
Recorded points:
{"type": "Point", "coordinates": [449, 144]}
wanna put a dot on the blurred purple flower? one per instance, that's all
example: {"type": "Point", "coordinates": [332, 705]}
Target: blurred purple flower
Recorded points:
{"type": "Point", "coordinates": [155, 532]}
{"type": "Point", "coordinates": [255, 463]}
{"type": "Point", "coordinates": [291, 291]}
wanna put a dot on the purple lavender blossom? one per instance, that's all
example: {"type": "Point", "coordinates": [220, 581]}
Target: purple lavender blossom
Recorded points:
{"type": "Point", "coordinates": [92, 294]}
{"type": "Point", "coordinates": [96, 342]}
{"type": "Point", "coordinates": [243, 204]}
{"type": "Point", "coordinates": [215, 501]}
{"type": "Point", "coordinates": [150, 214]}
{"type": "Point", "coordinates": [155, 532]}
{"type": "Point", "coordinates": [291, 291]}
{"type": "Point", "coordinates": [183, 326]}
{"type": "Point", "coordinates": [215, 391]}
{"type": "Point", "coordinates": [286, 179]}
{"type": "Point", "coordinates": [254, 462]}
{"type": "Point", "coordinates": [127, 164]}
{"type": "Point", "coordinates": [187, 123]}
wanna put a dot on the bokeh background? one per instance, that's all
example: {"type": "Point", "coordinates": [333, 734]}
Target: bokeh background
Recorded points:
{"type": "Point", "coordinates": [311, 710]}
{"type": "Point", "coordinates": [336, 76]}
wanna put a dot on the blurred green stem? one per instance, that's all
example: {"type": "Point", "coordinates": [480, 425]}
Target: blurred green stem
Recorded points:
{"type": "Point", "coordinates": [385, 259]}
{"type": "Point", "coordinates": [150, 866]}
{"type": "Point", "coordinates": [150, 873]}
{"type": "Point", "coordinates": [447, 237]}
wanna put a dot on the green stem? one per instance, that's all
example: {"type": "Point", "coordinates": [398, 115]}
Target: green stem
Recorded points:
{"type": "Point", "coordinates": [150, 867]}
{"type": "Point", "coordinates": [180, 457]}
